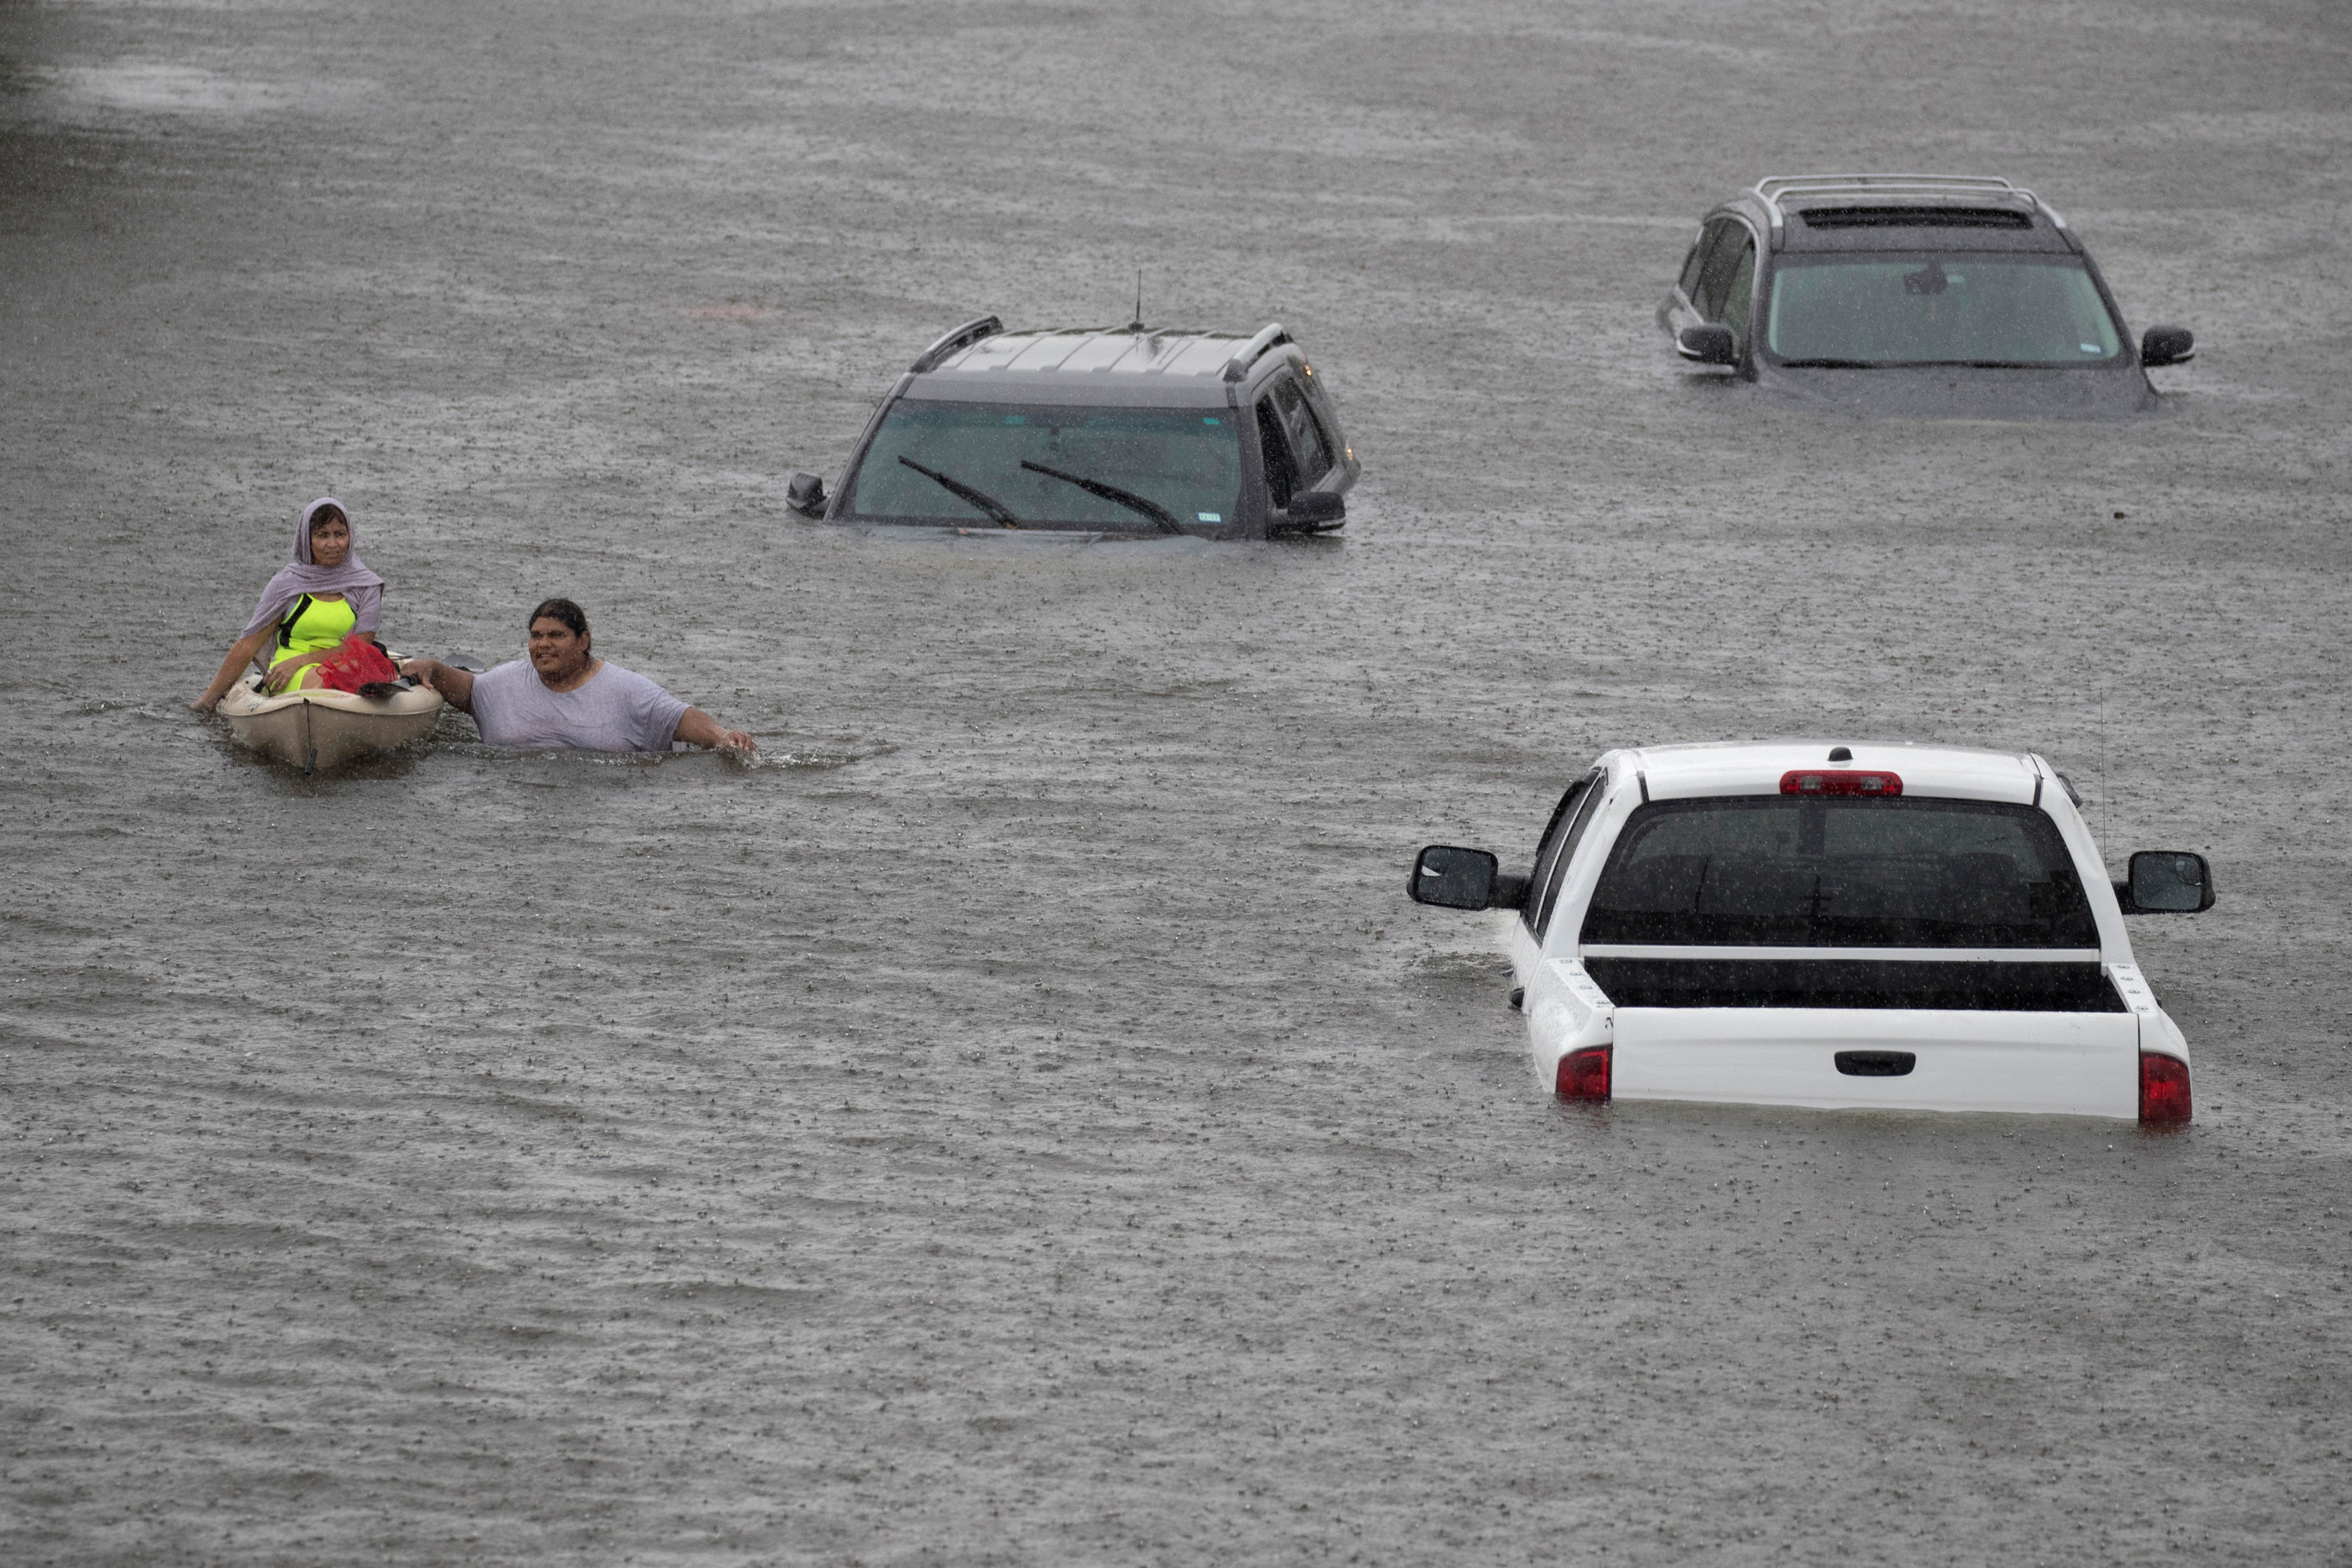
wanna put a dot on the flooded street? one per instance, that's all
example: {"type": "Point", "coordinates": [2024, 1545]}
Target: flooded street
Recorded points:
{"type": "Point", "coordinates": [1020, 1119]}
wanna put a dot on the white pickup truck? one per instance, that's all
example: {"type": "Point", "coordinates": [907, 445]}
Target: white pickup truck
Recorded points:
{"type": "Point", "coordinates": [1898, 927]}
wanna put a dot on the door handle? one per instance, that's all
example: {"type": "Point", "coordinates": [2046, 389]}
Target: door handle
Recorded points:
{"type": "Point", "coordinates": [1876, 1063]}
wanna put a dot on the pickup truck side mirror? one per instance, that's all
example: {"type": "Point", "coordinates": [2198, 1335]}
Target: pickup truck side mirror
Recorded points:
{"type": "Point", "coordinates": [2167, 882]}
{"type": "Point", "coordinates": [1455, 878]}
{"type": "Point", "coordinates": [1709, 342]}
{"type": "Point", "coordinates": [805, 495]}
{"type": "Point", "coordinates": [2168, 346]}
{"type": "Point", "coordinates": [1314, 509]}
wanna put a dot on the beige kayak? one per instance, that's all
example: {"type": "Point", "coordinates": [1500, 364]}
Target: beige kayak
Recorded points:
{"type": "Point", "coordinates": [322, 729]}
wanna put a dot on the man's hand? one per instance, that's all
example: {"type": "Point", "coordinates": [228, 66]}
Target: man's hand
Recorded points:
{"type": "Point", "coordinates": [697, 727]}
{"type": "Point", "coordinates": [455, 686]}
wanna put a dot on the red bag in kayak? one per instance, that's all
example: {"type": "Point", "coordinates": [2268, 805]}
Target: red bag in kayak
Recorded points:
{"type": "Point", "coordinates": [356, 663]}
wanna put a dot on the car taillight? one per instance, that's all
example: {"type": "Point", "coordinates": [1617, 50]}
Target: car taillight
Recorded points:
{"type": "Point", "coordinates": [1805, 781]}
{"type": "Point", "coordinates": [1583, 1074]}
{"type": "Point", "coordinates": [2163, 1088]}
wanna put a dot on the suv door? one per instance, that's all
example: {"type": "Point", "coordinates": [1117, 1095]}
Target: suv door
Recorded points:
{"type": "Point", "coordinates": [1683, 308]}
{"type": "Point", "coordinates": [1738, 295]}
{"type": "Point", "coordinates": [1298, 450]}
{"type": "Point", "coordinates": [1686, 286]}
{"type": "Point", "coordinates": [1327, 419]}
{"type": "Point", "coordinates": [1728, 253]}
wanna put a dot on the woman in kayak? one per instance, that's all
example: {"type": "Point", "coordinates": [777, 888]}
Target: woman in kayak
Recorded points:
{"type": "Point", "coordinates": [309, 608]}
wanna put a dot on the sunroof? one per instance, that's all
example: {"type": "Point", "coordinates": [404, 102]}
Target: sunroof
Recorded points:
{"type": "Point", "coordinates": [1915, 217]}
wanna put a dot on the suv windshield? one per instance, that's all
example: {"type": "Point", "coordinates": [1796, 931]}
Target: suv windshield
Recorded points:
{"type": "Point", "coordinates": [1841, 872]}
{"type": "Point", "coordinates": [1955, 309]}
{"type": "Point", "coordinates": [1184, 462]}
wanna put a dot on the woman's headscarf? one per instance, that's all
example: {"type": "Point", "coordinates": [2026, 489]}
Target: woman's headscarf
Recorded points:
{"type": "Point", "coordinates": [352, 580]}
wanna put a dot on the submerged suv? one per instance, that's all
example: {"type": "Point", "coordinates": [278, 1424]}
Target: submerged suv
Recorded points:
{"type": "Point", "coordinates": [1132, 433]}
{"type": "Point", "coordinates": [1883, 927]}
{"type": "Point", "coordinates": [1902, 292]}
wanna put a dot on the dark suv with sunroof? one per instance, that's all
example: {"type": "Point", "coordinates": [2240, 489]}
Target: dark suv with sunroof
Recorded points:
{"type": "Point", "coordinates": [1911, 294]}
{"type": "Point", "coordinates": [1131, 433]}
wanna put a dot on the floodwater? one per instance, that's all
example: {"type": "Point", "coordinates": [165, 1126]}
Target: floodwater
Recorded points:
{"type": "Point", "coordinates": [1022, 1120]}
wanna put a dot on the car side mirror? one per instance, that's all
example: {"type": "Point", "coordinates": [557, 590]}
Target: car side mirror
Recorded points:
{"type": "Point", "coordinates": [1709, 343]}
{"type": "Point", "coordinates": [2167, 882]}
{"type": "Point", "coordinates": [2168, 346]}
{"type": "Point", "coordinates": [1315, 509]}
{"type": "Point", "coordinates": [805, 493]}
{"type": "Point", "coordinates": [1454, 878]}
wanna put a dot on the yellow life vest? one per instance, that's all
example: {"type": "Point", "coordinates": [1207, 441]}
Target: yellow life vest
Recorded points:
{"type": "Point", "coordinates": [313, 626]}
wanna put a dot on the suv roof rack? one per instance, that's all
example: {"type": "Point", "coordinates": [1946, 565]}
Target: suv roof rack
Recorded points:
{"type": "Point", "coordinates": [1770, 189]}
{"type": "Point", "coordinates": [1270, 336]}
{"type": "Point", "coordinates": [963, 336]}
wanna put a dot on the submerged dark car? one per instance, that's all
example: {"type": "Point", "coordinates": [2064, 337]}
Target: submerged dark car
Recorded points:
{"type": "Point", "coordinates": [1911, 294]}
{"type": "Point", "coordinates": [1131, 433]}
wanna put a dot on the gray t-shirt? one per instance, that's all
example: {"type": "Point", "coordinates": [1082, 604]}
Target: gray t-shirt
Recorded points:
{"type": "Point", "coordinates": [617, 710]}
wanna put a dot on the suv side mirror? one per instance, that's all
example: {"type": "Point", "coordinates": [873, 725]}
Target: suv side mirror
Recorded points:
{"type": "Point", "coordinates": [805, 495]}
{"type": "Point", "coordinates": [1314, 508]}
{"type": "Point", "coordinates": [2168, 346]}
{"type": "Point", "coordinates": [2167, 882]}
{"type": "Point", "coordinates": [1709, 342]}
{"type": "Point", "coordinates": [1455, 878]}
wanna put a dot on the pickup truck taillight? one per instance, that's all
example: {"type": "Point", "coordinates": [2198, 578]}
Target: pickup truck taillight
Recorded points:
{"type": "Point", "coordinates": [1584, 1074]}
{"type": "Point", "coordinates": [2163, 1088]}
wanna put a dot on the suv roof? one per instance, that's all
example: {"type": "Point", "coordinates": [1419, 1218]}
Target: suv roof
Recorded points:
{"type": "Point", "coordinates": [1743, 768]}
{"type": "Point", "coordinates": [1131, 365]}
{"type": "Point", "coordinates": [1882, 212]}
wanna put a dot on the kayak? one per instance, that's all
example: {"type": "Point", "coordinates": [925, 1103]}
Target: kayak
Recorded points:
{"type": "Point", "coordinates": [325, 730]}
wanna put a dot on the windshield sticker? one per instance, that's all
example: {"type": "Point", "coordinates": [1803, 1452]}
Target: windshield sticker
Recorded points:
{"type": "Point", "coordinates": [2089, 347]}
{"type": "Point", "coordinates": [1213, 422]}
{"type": "Point", "coordinates": [1211, 516]}
{"type": "Point", "coordinates": [1016, 419]}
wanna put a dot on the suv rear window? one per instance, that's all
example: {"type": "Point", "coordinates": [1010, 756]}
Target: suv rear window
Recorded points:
{"type": "Point", "coordinates": [1186, 460]}
{"type": "Point", "coordinates": [1919, 308]}
{"type": "Point", "coordinates": [1844, 872]}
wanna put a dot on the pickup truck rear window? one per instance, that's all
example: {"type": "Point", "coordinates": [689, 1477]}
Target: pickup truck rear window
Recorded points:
{"type": "Point", "coordinates": [1844, 872]}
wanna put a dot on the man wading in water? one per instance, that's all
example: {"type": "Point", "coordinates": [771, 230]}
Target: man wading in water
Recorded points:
{"type": "Point", "coordinates": [563, 697]}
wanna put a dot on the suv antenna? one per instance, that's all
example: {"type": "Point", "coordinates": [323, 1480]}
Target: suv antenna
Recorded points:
{"type": "Point", "coordinates": [1136, 324]}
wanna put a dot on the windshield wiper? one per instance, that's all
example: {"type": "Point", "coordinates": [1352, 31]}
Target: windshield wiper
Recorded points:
{"type": "Point", "coordinates": [1128, 499]}
{"type": "Point", "coordinates": [1830, 364]}
{"type": "Point", "coordinates": [998, 512]}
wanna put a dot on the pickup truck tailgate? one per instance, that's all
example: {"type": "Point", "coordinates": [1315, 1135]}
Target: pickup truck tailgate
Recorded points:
{"type": "Point", "coordinates": [2070, 1063]}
